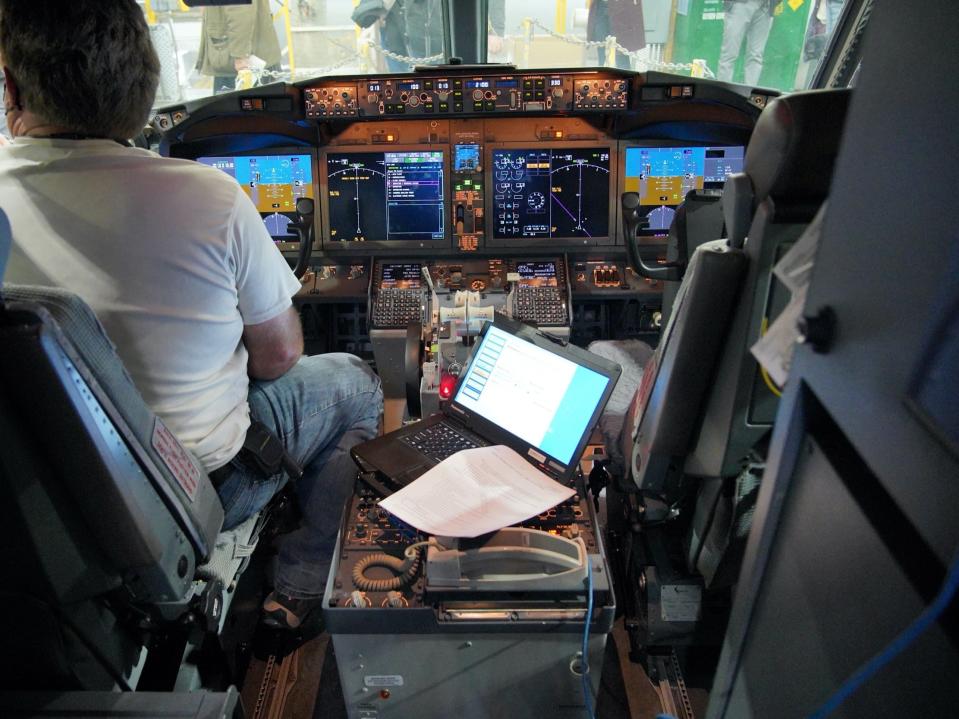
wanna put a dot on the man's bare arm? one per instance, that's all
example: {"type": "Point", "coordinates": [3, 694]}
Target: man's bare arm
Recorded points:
{"type": "Point", "coordinates": [274, 345]}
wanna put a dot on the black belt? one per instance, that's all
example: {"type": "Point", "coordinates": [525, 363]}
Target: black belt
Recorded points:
{"type": "Point", "coordinates": [219, 475]}
{"type": "Point", "coordinates": [263, 451]}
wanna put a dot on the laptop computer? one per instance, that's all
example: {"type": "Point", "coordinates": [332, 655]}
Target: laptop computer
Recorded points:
{"type": "Point", "coordinates": [522, 388]}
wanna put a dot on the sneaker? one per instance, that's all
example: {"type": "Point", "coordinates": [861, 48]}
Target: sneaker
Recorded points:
{"type": "Point", "coordinates": [284, 612]}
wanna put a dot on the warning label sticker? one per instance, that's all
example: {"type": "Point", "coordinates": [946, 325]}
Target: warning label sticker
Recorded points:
{"type": "Point", "coordinates": [176, 459]}
{"type": "Point", "coordinates": [383, 680]}
{"type": "Point", "coordinates": [680, 602]}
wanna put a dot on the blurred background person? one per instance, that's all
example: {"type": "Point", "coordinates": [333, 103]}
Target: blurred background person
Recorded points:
{"type": "Point", "coordinates": [622, 19]}
{"type": "Point", "coordinates": [412, 28]}
{"type": "Point", "coordinates": [752, 20]}
{"type": "Point", "coordinates": [231, 36]}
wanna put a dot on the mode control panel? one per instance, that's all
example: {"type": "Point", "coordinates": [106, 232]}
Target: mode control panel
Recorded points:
{"type": "Point", "coordinates": [467, 95]}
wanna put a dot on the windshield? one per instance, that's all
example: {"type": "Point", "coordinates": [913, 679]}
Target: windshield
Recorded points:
{"type": "Point", "coordinates": [758, 42]}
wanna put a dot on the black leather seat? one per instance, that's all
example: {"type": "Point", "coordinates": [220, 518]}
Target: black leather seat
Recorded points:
{"type": "Point", "coordinates": [108, 518]}
{"type": "Point", "coordinates": [691, 442]}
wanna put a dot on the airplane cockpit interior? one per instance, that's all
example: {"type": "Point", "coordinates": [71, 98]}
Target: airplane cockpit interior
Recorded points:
{"type": "Point", "coordinates": [662, 297]}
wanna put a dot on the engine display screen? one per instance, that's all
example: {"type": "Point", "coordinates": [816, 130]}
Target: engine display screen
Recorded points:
{"type": "Point", "coordinates": [394, 196]}
{"type": "Point", "coordinates": [550, 193]}
{"type": "Point", "coordinates": [273, 182]}
{"type": "Point", "coordinates": [537, 274]}
{"type": "Point", "coordinates": [401, 276]}
{"type": "Point", "coordinates": [663, 175]}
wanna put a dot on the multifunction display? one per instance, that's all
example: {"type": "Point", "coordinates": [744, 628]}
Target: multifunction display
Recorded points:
{"type": "Point", "coordinates": [550, 193]}
{"type": "Point", "coordinates": [401, 276]}
{"type": "Point", "coordinates": [273, 182]}
{"type": "Point", "coordinates": [663, 175]}
{"type": "Point", "coordinates": [394, 196]}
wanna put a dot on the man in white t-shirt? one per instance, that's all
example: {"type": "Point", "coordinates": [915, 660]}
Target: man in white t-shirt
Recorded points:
{"type": "Point", "coordinates": [175, 261]}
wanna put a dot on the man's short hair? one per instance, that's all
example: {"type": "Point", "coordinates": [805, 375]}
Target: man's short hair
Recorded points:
{"type": "Point", "coordinates": [86, 65]}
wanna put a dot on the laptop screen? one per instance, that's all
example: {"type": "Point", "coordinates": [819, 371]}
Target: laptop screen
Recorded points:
{"type": "Point", "coordinates": [542, 398]}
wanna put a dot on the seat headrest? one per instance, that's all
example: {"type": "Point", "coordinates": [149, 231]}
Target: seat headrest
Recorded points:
{"type": "Point", "coordinates": [793, 148]}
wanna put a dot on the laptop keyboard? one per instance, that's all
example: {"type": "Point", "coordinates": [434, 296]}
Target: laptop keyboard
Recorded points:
{"type": "Point", "coordinates": [439, 441]}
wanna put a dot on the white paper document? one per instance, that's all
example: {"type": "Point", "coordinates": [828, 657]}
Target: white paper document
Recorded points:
{"type": "Point", "coordinates": [474, 492]}
{"type": "Point", "coordinates": [775, 349]}
{"type": "Point", "coordinates": [795, 268]}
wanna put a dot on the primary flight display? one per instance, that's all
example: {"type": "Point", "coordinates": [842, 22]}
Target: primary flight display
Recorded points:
{"type": "Point", "coordinates": [664, 175]}
{"type": "Point", "coordinates": [273, 182]}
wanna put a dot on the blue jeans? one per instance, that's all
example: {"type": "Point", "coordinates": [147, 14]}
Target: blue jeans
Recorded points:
{"type": "Point", "coordinates": [323, 406]}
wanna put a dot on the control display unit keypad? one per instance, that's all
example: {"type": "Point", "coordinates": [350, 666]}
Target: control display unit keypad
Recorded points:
{"type": "Point", "coordinates": [399, 295]}
{"type": "Point", "coordinates": [540, 294]}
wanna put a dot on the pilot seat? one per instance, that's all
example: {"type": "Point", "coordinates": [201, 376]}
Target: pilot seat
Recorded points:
{"type": "Point", "coordinates": [687, 452]}
{"type": "Point", "coordinates": [113, 552]}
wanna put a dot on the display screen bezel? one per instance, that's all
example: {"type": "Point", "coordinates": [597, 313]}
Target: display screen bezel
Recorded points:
{"type": "Point", "coordinates": [283, 246]}
{"type": "Point", "coordinates": [558, 243]}
{"type": "Point", "coordinates": [660, 237]}
{"type": "Point", "coordinates": [329, 244]}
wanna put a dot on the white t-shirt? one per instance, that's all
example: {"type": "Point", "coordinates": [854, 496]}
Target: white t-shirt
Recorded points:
{"type": "Point", "coordinates": [173, 258]}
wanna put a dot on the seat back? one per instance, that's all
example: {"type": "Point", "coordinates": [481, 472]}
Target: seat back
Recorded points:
{"type": "Point", "coordinates": [701, 377]}
{"type": "Point", "coordinates": [103, 505]}
{"type": "Point", "coordinates": [665, 409]}
{"type": "Point", "coordinates": [698, 220]}
{"type": "Point", "coordinates": [786, 178]}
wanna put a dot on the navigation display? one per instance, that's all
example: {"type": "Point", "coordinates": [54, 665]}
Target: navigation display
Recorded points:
{"type": "Point", "coordinates": [663, 175]}
{"type": "Point", "coordinates": [274, 183]}
{"type": "Point", "coordinates": [537, 274]}
{"type": "Point", "coordinates": [550, 193]}
{"type": "Point", "coordinates": [393, 196]}
{"type": "Point", "coordinates": [400, 276]}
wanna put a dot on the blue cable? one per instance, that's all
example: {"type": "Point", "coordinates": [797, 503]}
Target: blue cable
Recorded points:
{"type": "Point", "coordinates": [587, 690]}
{"type": "Point", "coordinates": [898, 645]}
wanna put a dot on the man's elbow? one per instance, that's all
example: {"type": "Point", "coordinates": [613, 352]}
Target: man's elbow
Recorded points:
{"type": "Point", "coordinates": [275, 363]}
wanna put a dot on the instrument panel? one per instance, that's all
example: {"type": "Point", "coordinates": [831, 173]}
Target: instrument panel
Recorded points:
{"type": "Point", "coordinates": [458, 161]}
{"type": "Point", "coordinates": [477, 185]}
